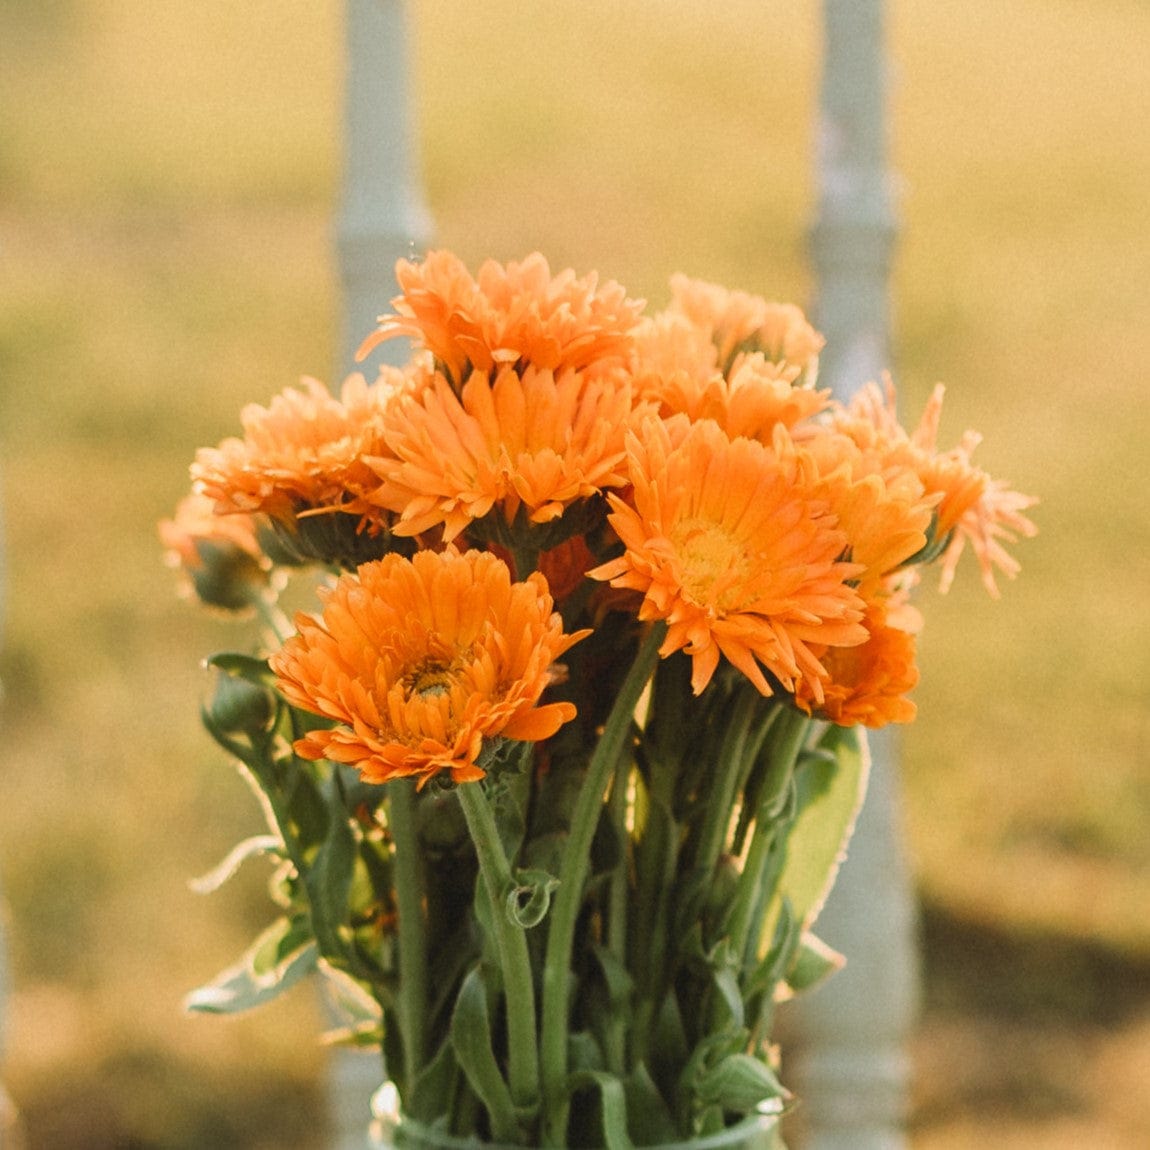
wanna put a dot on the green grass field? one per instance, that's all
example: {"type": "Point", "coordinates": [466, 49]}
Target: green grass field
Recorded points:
{"type": "Point", "coordinates": [168, 180]}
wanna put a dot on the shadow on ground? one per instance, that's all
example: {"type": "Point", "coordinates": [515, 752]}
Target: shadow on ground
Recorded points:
{"type": "Point", "coordinates": [1026, 1040]}
{"type": "Point", "coordinates": [1031, 1039]}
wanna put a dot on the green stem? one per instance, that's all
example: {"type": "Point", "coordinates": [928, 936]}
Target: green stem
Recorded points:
{"type": "Point", "coordinates": [515, 961]}
{"type": "Point", "coordinates": [277, 624]}
{"type": "Point", "coordinates": [525, 558]}
{"type": "Point", "coordinates": [569, 896]}
{"type": "Point", "coordinates": [617, 899]}
{"type": "Point", "coordinates": [731, 771]}
{"type": "Point", "coordinates": [789, 733]}
{"type": "Point", "coordinates": [412, 928]}
{"type": "Point", "coordinates": [617, 913]}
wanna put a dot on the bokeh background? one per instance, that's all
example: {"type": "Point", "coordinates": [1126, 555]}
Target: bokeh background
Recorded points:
{"type": "Point", "coordinates": [168, 181]}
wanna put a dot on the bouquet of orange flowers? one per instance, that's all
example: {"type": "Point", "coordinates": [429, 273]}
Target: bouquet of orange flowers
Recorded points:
{"type": "Point", "coordinates": [559, 772]}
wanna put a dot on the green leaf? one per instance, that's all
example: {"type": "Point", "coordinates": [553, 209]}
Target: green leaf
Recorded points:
{"type": "Point", "coordinates": [306, 808]}
{"type": "Point", "coordinates": [723, 965]}
{"type": "Point", "coordinates": [328, 881]}
{"type": "Point", "coordinates": [656, 854]}
{"type": "Point", "coordinates": [489, 946]}
{"type": "Point", "coordinates": [359, 1035]}
{"type": "Point", "coordinates": [584, 1051]}
{"type": "Point", "coordinates": [829, 793]}
{"type": "Point", "coordinates": [607, 848]}
{"type": "Point", "coordinates": [240, 853]}
{"type": "Point", "coordinates": [278, 943]}
{"type": "Point", "coordinates": [738, 1083]}
{"type": "Point", "coordinates": [474, 1050]}
{"type": "Point", "coordinates": [612, 1102]}
{"type": "Point", "coordinates": [434, 1087]}
{"type": "Point", "coordinates": [276, 961]}
{"type": "Point", "coordinates": [670, 1046]}
{"type": "Point", "coordinates": [768, 973]}
{"type": "Point", "coordinates": [814, 962]}
{"type": "Point", "coordinates": [349, 996]}
{"type": "Point", "coordinates": [649, 1120]}
{"type": "Point", "coordinates": [508, 786]}
{"type": "Point", "coordinates": [440, 822]}
{"type": "Point", "coordinates": [254, 756]}
{"type": "Point", "coordinates": [243, 667]}
{"type": "Point", "coordinates": [620, 985]}
{"type": "Point", "coordinates": [608, 1006]}
{"type": "Point", "coordinates": [530, 899]}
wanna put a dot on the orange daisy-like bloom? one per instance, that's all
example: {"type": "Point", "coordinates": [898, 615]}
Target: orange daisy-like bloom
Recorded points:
{"type": "Point", "coordinates": [539, 440]}
{"type": "Point", "coordinates": [972, 507]}
{"type": "Point", "coordinates": [423, 662]}
{"type": "Point", "coordinates": [886, 516]}
{"type": "Point", "coordinates": [667, 346]}
{"type": "Point", "coordinates": [514, 314]}
{"type": "Point", "coordinates": [554, 321]}
{"type": "Point", "coordinates": [759, 397]}
{"type": "Point", "coordinates": [995, 519]}
{"type": "Point", "coordinates": [738, 321]}
{"type": "Point", "coordinates": [675, 365]}
{"type": "Point", "coordinates": [868, 683]}
{"type": "Point", "coordinates": [220, 554]}
{"type": "Point", "coordinates": [302, 453]}
{"type": "Point", "coordinates": [726, 542]}
{"type": "Point", "coordinates": [440, 308]}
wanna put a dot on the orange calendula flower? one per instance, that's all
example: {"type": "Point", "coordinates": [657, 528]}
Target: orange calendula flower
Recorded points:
{"type": "Point", "coordinates": [867, 683]}
{"type": "Point", "coordinates": [886, 515]}
{"type": "Point", "coordinates": [302, 457]}
{"type": "Point", "coordinates": [750, 403]}
{"type": "Point", "coordinates": [972, 507]}
{"type": "Point", "coordinates": [422, 662]}
{"type": "Point", "coordinates": [539, 440]}
{"type": "Point", "coordinates": [511, 314]}
{"type": "Point", "coordinates": [440, 308]}
{"type": "Point", "coordinates": [554, 321]}
{"type": "Point", "coordinates": [726, 542]}
{"type": "Point", "coordinates": [740, 322]}
{"type": "Point", "coordinates": [220, 554]}
{"type": "Point", "coordinates": [667, 347]}
{"type": "Point", "coordinates": [996, 518]}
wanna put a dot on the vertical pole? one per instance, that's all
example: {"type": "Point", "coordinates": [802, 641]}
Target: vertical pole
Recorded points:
{"type": "Point", "coordinates": [381, 218]}
{"type": "Point", "coordinates": [851, 1066]}
{"type": "Point", "coordinates": [382, 215]}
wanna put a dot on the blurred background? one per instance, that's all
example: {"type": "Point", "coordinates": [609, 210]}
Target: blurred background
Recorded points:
{"type": "Point", "coordinates": [169, 175]}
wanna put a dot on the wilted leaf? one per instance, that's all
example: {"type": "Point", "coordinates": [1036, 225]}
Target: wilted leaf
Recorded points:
{"type": "Point", "coordinates": [276, 961]}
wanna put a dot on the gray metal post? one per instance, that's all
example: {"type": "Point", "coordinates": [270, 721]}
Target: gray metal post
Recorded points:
{"type": "Point", "coordinates": [382, 217]}
{"type": "Point", "coordinates": [851, 1065]}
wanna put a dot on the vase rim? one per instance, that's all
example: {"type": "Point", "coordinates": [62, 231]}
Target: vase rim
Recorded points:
{"type": "Point", "coordinates": [390, 1121]}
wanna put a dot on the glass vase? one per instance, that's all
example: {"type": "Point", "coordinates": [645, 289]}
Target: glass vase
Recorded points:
{"type": "Point", "coordinates": [391, 1131]}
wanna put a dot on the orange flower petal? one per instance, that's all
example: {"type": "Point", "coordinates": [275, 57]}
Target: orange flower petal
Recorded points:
{"type": "Point", "coordinates": [727, 542]}
{"type": "Point", "coordinates": [421, 662]}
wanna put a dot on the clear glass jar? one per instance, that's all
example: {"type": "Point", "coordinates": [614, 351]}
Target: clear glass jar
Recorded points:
{"type": "Point", "coordinates": [391, 1131]}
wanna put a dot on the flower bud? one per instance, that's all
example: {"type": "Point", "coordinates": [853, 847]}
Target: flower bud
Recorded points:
{"type": "Point", "coordinates": [239, 707]}
{"type": "Point", "coordinates": [219, 554]}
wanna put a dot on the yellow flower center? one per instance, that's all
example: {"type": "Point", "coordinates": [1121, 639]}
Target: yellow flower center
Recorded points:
{"type": "Point", "coordinates": [428, 679]}
{"type": "Point", "coordinates": [715, 565]}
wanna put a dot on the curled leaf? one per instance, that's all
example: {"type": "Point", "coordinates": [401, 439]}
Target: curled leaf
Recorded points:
{"type": "Point", "coordinates": [239, 854]}
{"type": "Point", "coordinates": [530, 899]}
